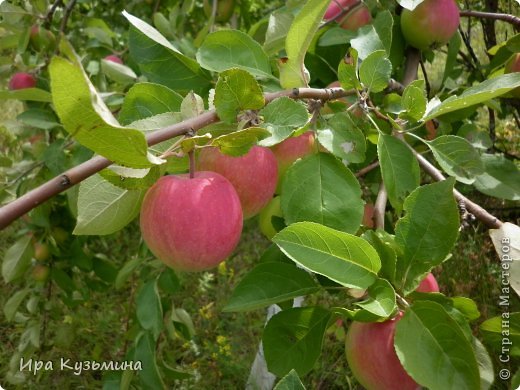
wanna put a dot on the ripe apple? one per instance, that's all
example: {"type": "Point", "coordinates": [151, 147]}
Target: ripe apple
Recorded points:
{"type": "Point", "coordinates": [40, 273]}
{"type": "Point", "coordinates": [290, 150]}
{"type": "Point", "coordinates": [225, 9]}
{"type": "Point", "coordinates": [273, 209]}
{"type": "Point", "coordinates": [41, 251]}
{"type": "Point", "coordinates": [22, 80]}
{"type": "Point", "coordinates": [356, 18]}
{"type": "Point", "coordinates": [368, 216]}
{"type": "Point", "coordinates": [431, 24]}
{"type": "Point", "coordinates": [191, 224]}
{"type": "Point", "coordinates": [41, 39]}
{"type": "Point", "coordinates": [512, 66]}
{"type": "Point", "coordinates": [114, 58]}
{"type": "Point", "coordinates": [372, 359]}
{"type": "Point", "coordinates": [428, 284]}
{"type": "Point", "coordinates": [254, 175]}
{"type": "Point", "coordinates": [336, 7]}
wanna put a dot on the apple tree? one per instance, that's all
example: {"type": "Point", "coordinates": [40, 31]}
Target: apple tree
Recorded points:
{"type": "Point", "coordinates": [352, 130]}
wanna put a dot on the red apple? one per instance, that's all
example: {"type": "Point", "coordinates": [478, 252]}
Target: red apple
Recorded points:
{"type": "Point", "coordinates": [114, 58]}
{"type": "Point", "coordinates": [336, 7]}
{"type": "Point", "coordinates": [368, 216]}
{"type": "Point", "coordinates": [254, 175]}
{"type": "Point", "coordinates": [431, 24]}
{"type": "Point", "coordinates": [191, 224]}
{"type": "Point", "coordinates": [428, 284]}
{"type": "Point", "coordinates": [290, 150]}
{"type": "Point", "coordinates": [22, 80]}
{"type": "Point", "coordinates": [273, 209]}
{"type": "Point", "coordinates": [356, 18]}
{"type": "Point", "coordinates": [372, 359]}
{"type": "Point", "coordinates": [225, 9]}
{"type": "Point", "coordinates": [512, 66]}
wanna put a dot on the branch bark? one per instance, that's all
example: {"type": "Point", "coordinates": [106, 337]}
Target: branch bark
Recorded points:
{"type": "Point", "coordinates": [514, 20]}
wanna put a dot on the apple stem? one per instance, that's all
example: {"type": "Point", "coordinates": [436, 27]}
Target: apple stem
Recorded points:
{"type": "Point", "coordinates": [191, 155]}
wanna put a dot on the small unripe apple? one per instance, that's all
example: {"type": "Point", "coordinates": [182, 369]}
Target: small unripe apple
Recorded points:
{"type": "Point", "coordinates": [358, 17]}
{"type": "Point", "coordinates": [41, 251]}
{"type": "Point", "coordinates": [428, 284]}
{"type": "Point", "coordinates": [114, 58]}
{"type": "Point", "coordinates": [431, 24]}
{"type": "Point", "coordinates": [22, 80]}
{"type": "Point", "coordinates": [40, 273]}
{"type": "Point", "coordinates": [59, 234]}
{"type": "Point", "coordinates": [273, 209]}
{"type": "Point", "coordinates": [372, 359]}
{"type": "Point", "coordinates": [512, 66]}
{"type": "Point", "coordinates": [225, 9]}
{"type": "Point", "coordinates": [41, 39]}
{"type": "Point", "coordinates": [191, 224]}
{"type": "Point", "coordinates": [290, 150]}
{"type": "Point", "coordinates": [254, 175]}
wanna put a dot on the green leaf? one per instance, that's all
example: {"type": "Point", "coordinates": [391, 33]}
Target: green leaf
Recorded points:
{"type": "Point", "coordinates": [453, 50]}
{"type": "Point", "coordinates": [145, 353]}
{"type": "Point", "coordinates": [149, 309]}
{"type": "Point", "coordinates": [12, 304]}
{"type": "Point", "coordinates": [131, 179]}
{"type": "Point", "coordinates": [480, 93]}
{"type": "Point", "coordinates": [319, 188]}
{"type": "Point", "coordinates": [145, 100]}
{"type": "Point", "coordinates": [501, 178]}
{"type": "Point", "coordinates": [414, 101]}
{"type": "Point", "coordinates": [88, 119]}
{"type": "Point", "coordinates": [367, 42]}
{"type": "Point", "coordinates": [426, 233]}
{"type": "Point", "coordinates": [293, 338]}
{"type": "Point", "coordinates": [499, 330]}
{"type": "Point", "coordinates": [227, 49]}
{"type": "Point", "coordinates": [290, 382]}
{"type": "Point", "coordinates": [343, 138]}
{"type": "Point", "coordinates": [104, 208]}
{"type": "Point", "coordinates": [120, 73]}
{"type": "Point", "coordinates": [239, 142]}
{"type": "Point", "coordinates": [237, 90]}
{"type": "Point", "coordinates": [485, 365]}
{"type": "Point", "coordinates": [31, 94]}
{"type": "Point", "coordinates": [434, 350]}
{"type": "Point", "coordinates": [279, 23]}
{"type": "Point", "coordinates": [381, 301]}
{"type": "Point", "coordinates": [157, 122]}
{"type": "Point", "coordinates": [348, 71]}
{"type": "Point", "coordinates": [127, 270]}
{"type": "Point", "coordinates": [466, 306]}
{"type": "Point", "coordinates": [399, 168]}
{"type": "Point", "coordinates": [270, 283]}
{"type": "Point", "coordinates": [39, 118]}
{"type": "Point", "coordinates": [341, 257]}
{"type": "Point", "coordinates": [192, 105]}
{"type": "Point", "coordinates": [383, 24]}
{"type": "Point", "coordinates": [17, 259]}
{"type": "Point", "coordinates": [410, 4]}
{"type": "Point", "coordinates": [457, 157]}
{"type": "Point", "coordinates": [162, 63]}
{"type": "Point", "coordinates": [281, 117]}
{"type": "Point", "coordinates": [385, 251]}
{"type": "Point", "coordinates": [299, 38]}
{"type": "Point", "coordinates": [375, 71]}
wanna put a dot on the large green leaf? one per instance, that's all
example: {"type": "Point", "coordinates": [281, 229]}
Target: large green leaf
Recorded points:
{"type": "Point", "coordinates": [457, 157]}
{"type": "Point", "coordinates": [426, 233]}
{"type": "Point", "coordinates": [290, 382]}
{"type": "Point", "coordinates": [298, 40]}
{"type": "Point", "coordinates": [293, 338]}
{"type": "Point", "coordinates": [32, 94]}
{"type": "Point", "coordinates": [344, 258]}
{"type": "Point", "coordinates": [319, 188]}
{"type": "Point", "coordinates": [89, 121]}
{"type": "Point", "coordinates": [14, 301]}
{"type": "Point", "coordinates": [227, 49]}
{"type": "Point", "coordinates": [492, 332]}
{"type": "Point", "coordinates": [149, 311]}
{"type": "Point", "coordinates": [485, 365]}
{"type": "Point", "coordinates": [144, 100]}
{"type": "Point", "coordinates": [270, 283]}
{"type": "Point", "coordinates": [381, 301]}
{"type": "Point", "coordinates": [501, 178]}
{"type": "Point", "coordinates": [399, 168]}
{"type": "Point", "coordinates": [17, 259]}
{"type": "Point", "coordinates": [414, 101]}
{"type": "Point", "coordinates": [386, 251]}
{"type": "Point", "coordinates": [480, 93]}
{"type": "Point", "coordinates": [434, 350]}
{"type": "Point", "coordinates": [145, 353]}
{"type": "Point", "coordinates": [375, 71]}
{"type": "Point", "coordinates": [237, 90]}
{"type": "Point", "coordinates": [104, 208]}
{"type": "Point", "coordinates": [239, 142]}
{"type": "Point", "coordinates": [162, 63]}
{"type": "Point", "coordinates": [367, 42]}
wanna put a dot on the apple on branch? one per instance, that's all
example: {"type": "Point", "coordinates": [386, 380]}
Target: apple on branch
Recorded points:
{"type": "Point", "coordinates": [353, 19]}
{"type": "Point", "coordinates": [22, 80]}
{"type": "Point", "coordinates": [191, 223]}
{"type": "Point", "coordinates": [224, 9]}
{"type": "Point", "coordinates": [114, 58]}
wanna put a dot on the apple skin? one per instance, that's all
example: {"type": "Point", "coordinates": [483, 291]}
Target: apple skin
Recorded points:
{"type": "Point", "coordinates": [336, 7]}
{"type": "Point", "coordinates": [431, 24]}
{"type": "Point", "coordinates": [254, 175]}
{"type": "Point", "coordinates": [358, 17]}
{"type": "Point", "coordinates": [40, 273]}
{"type": "Point", "coordinates": [428, 284]}
{"type": "Point", "coordinates": [41, 251]}
{"type": "Point", "coordinates": [225, 9]}
{"type": "Point", "coordinates": [372, 358]}
{"type": "Point", "coordinates": [191, 224]}
{"type": "Point", "coordinates": [290, 150]}
{"type": "Point", "coordinates": [273, 209]}
{"type": "Point", "coordinates": [41, 39]}
{"type": "Point", "coordinates": [114, 58]}
{"type": "Point", "coordinates": [512, 66]}
{"type": "Point", "coordinates": [22, 80]}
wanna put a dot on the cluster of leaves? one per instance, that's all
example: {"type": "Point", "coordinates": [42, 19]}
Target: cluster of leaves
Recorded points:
{"type": "Point", "coordinates": [85, 106]}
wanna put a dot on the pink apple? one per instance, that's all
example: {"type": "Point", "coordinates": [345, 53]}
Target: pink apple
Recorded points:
{"type": "Point", "coordinates": [372, 359]}
{"type": "Point", "coordinates": [431, 24]}
{"type": "Point", "coordinates": [22, 80]}
{"type": "Point", "coordinates": [356, 18]}
{"type": "Point", "coordinates": [428, 284]}
{"type": "Point", "coordinates": [114, 58]}
{"type": "Point", "coordinates": [336, 7]}
{"type": "Point", "coordinates": [254, 175]}
{"type": "Point", "coordinates": [191, 224]}
{"type": "Point", "coordinates": [290, 150]}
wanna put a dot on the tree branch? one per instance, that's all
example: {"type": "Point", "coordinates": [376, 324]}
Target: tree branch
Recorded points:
{"type": "Point", "coordinates": [491, 15]}
{"type": "Point", "coordinates": [380, 207]}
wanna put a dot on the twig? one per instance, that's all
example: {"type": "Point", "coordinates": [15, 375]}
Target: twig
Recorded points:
{"type": "Point", "coordinates": [50, 14]}
{"type": "Point", "coordinates": [380, 207]}
{"type": "Point", "coordinates": [491, 15]}
{"type": "Point", "coordinates": [413, 57]}
{"type": "Point", "coordinates": [426, 81]}
{"type": "Point", "coordinates": [66, 15]}
{"type": "Point", "coordinates": [471, 52]}
{"type": "Point", "coordinates": [492, 127]}
{"type": "Point", "coordinates": [368, 168]}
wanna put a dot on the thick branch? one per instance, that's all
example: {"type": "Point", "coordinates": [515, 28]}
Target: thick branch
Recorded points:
{"type": "Point", "coordinates": [491, 15]}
